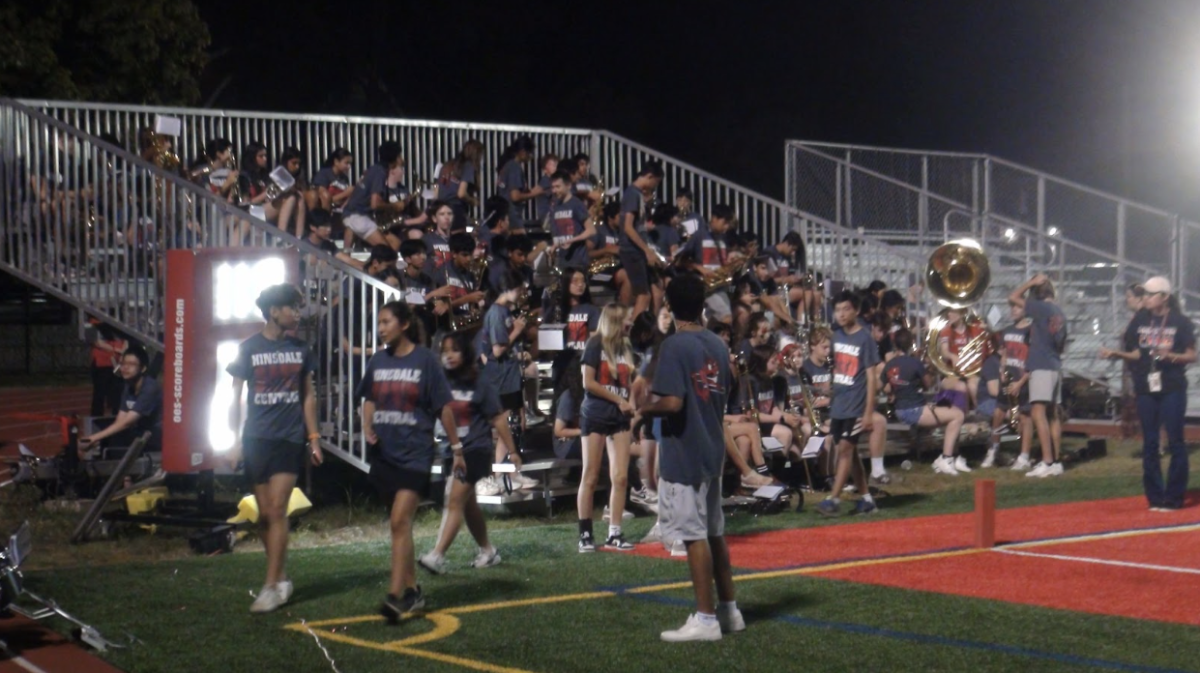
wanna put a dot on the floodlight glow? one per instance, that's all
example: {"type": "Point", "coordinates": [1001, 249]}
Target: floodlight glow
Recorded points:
{"type": "Point", "coordinates": [1010, 234]}
{"type": "Point", "coordinates": [1052, 231]}
{"type": "Point", "coordinates": [237, 286]}
{"type": "Point", "coordinates": [220, 432]}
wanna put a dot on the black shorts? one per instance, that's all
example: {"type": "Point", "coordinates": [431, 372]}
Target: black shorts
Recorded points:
{"type": "Point", "coordinates": [845, 430]}
{"type": "Point", "coordinates": [389, 479]}
{"type": "Point", "coordinates": [264, 458]}
{"type": "Point", "coordinates": [600, 426]}
{"type": "Point", "coordinates": [635, 267]}
{"type": "Point", "coordinates": [513, 401]}
{"type": "Point", "coordinates": [479, 465]}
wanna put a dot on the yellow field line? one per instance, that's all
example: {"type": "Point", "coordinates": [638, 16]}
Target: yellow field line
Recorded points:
{"type": "Point", "coordinates": [544, 600]}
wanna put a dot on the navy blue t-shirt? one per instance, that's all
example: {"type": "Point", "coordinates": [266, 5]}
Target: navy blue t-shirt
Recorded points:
{"type": "Point", "coordinates": [475, 404]}
{"type": "Point", "coordinates": [567, 221]}
{"type": "Point", "coordinates": [510, 178]}
{"type": "Point", "coordinates": [990, 371]}
{"type": "Point", "coordinates": [374, 181]}
{"type": "Point", "coordinates": [146, 403]}
{"type": "Point", "coordinates": [1047, 335]}
{"type": "Point", "coordinates": [582, 322]}
{"type": "Point", "coordinates": [1147, 333]}
{"type": "Point", "coordinates": [694, 367]}
{"type": "Point", "coordinates": [275, 372]}
{"type": "Point", "coordinates": [615, 376]}
{"type": "Point", "coordinates": [409, 393]}
{"type": "Point", "coordinates": [853, 357]}
{"type": "Point", "coordinates": [906, 375]}
{"type": "Point", "coordinates": [662, 239]}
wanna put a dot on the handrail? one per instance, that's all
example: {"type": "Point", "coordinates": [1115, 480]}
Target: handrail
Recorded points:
{"type": "Point", "coordinates": [292, 116]}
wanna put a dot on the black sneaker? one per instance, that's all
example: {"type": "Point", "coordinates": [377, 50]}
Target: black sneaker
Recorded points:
{"type": "Point", "coordinates": [394, 609]}
{"type": "Point", "coordinates": [618, 543]}
{"type": "Point", "coordinates": [586, 543]}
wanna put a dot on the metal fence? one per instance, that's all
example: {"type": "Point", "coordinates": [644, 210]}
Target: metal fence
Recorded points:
{"type": "Point", "coordinates": [1028, 222]}
{"type": "Point", "coordinates": [91, 223]}
{"type": "Point", "coordinates": [915, 195]}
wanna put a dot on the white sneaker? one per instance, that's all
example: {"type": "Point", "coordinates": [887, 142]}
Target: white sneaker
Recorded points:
{"type": "Point", "coordinates": [755, 480]}
{"type": "Point", "coordinates": [433, 562]}
{"type": "Point", "coordinates": [487, 486]}
{"type": "Point", "coordinates": [945, 465]}
{"type": "Point", "coordinates": [730, 620]}
{"type": "Point", "coordinates": [960, 464]}
{"type": "Point", "coordinates": [268, 600]}
{"type": "Point", "coordinates": [521, 481]}
{"type": "Point", "coordinates": [486, 558]}
{"type": "Point", "coordinates": [625, 516]}
{"type": "Point", "coordinates": [989, 460]}
{"type": "Point", "coordinates": [285, 589]}
{"type": "Point", "coordinates": [1054, 470]}
{"type": "Point", "coordinates": [1021, 463]}
{"type": "Point", "coordinates": [1039, 471]}
{"type": "Point", "coordinates": [693, 629]}
{"type": "Point", "coordinates": [677, 548]}
{"type": "Point", "coordinates": [655, 534]}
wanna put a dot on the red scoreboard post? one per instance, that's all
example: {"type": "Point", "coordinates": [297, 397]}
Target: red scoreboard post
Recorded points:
{"type": "Point", "coordinates": [210, 310]}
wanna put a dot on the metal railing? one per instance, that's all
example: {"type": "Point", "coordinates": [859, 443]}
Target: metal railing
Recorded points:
{"type": "Point", "coordinates": [1025, 220]}
{"type": "Point", "coordinates": [91, 224]}
{"type": "Point", "coordinates": [906, 194]}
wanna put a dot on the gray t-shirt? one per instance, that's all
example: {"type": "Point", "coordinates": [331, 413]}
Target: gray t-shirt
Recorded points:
{"type": "Point", "coordinates": [694, 367]}
{"type": "Point", "coordinates": [275, 372]}
{"type": "Point", "coordinates": [541, 203]}
{"type": "Point", "coordinates": [503, 372]}
{"type": "Point", "coordinates": [631, 202]}
{"type": "Point", "coordinates": [374, 181]}
{"type": "Point", "coordinates": [510, 178]}
{"type": "Point", "coordinates": [1047, 335]}
{"type": "Point", "coordinates": [409, 393]}
{"type": "Point", "coordinates": [853, 357]}
{"type": "Point", "coordinates": [905, 375]}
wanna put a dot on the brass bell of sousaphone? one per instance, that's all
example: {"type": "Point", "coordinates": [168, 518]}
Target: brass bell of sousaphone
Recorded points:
{"type": "Point", "coordinates": [957, 275]}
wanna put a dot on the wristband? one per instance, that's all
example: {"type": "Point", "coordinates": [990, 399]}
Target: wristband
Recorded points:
{"type": "Point", "coordinates": [313, 435]}
{"type": "Point", "coordinates": [456, 447]}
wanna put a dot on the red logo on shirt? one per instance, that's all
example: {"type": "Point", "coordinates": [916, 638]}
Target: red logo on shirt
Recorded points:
{"type": "Point", "coordinates": [707, 380]}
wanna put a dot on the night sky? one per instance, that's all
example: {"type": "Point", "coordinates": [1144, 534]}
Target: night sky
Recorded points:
{"type": "Point", "coordinates": [1103, 92]}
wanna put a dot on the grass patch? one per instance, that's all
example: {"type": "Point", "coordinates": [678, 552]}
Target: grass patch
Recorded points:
{"type": "Point", "coordinates": [189, 613]}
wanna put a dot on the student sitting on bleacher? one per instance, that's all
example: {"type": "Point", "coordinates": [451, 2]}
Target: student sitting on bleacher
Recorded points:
{"type": "Point", "coordinates": [906, 378]}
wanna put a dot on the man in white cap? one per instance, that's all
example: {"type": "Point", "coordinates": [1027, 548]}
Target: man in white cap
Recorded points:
{"type": "Point", "coordinates": [1047, 339]}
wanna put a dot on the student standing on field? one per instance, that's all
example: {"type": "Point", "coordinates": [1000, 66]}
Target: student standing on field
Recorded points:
{"type": "Point", "coordinates": [280, 430]}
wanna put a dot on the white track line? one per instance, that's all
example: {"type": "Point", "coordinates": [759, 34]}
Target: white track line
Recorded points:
{"type": "Point", "coordinates": [1181, 528]}
{"type": "Point", "coordinates": [21, 661]}
{"type": "Point", "coordinates": [1107, 562]}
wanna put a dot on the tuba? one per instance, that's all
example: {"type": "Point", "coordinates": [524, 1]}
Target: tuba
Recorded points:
{"type": "Point", "coordinates": [725, 276]}
{"type": "Point", "coordinates": [957, 275]}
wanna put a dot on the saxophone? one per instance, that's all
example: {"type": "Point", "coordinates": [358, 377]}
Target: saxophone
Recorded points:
{"type": "Point", "coordinates": [724, 276]}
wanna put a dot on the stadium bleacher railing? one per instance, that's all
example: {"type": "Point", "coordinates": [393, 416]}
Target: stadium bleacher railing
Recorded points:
{"type": "Point", "coordinates": [1093, 244]}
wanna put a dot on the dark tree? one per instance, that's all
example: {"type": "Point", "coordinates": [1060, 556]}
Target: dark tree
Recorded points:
{"type": "Point", "coordinates": [128, 51]}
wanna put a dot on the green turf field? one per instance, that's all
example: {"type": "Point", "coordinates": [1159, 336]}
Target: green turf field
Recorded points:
{"type": "Point", "coordinates": [190, 614]}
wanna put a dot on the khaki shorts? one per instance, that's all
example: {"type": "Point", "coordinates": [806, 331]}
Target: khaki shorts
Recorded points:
{"type": "Point", "coordinates": [687, 512]}
{"type": "Point", "coordinates": [360, 225]}
{"type": "Point", "coordinates": [1045, 385]}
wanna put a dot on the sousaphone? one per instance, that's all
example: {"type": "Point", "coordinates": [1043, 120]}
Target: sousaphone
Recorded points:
{"type": "Point", "coordinates": [957, 275]}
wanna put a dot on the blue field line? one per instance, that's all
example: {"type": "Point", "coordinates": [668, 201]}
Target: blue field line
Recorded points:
{"type": "Point", "coordinates": [925, 639]}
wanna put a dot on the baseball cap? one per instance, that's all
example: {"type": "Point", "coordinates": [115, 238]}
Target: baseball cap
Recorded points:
{"type": "Point", "coordinates": [1157, 285]}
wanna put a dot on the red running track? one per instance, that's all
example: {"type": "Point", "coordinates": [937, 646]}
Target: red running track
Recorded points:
{"type": "Point", "coordinates": [18, 405]}
{"type": "Point", "coordinates": [44, 649]}
{"type": "Point", "coordinates": [877, 538]}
